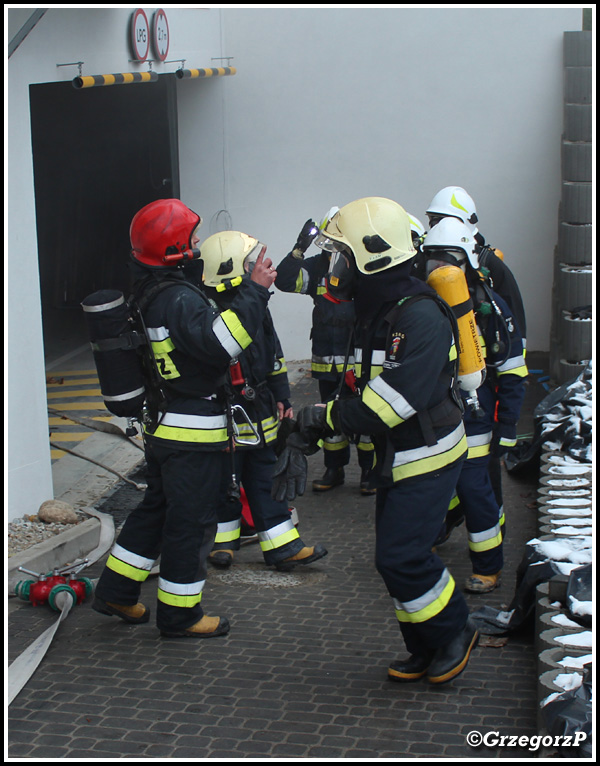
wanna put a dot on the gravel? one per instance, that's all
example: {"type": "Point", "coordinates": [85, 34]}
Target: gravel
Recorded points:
{"type": "Point", "coordinates": [30, 530]}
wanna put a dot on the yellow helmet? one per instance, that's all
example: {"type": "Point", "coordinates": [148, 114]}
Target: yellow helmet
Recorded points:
{"type": "Point", "coordinates": [376, 230]}
{"type": "Point", "coordinates": [228, 254]}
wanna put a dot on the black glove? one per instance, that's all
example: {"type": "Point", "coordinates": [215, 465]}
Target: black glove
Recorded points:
{"type": "Point", "coordinates": [312, 426]}
{"type": "Point", "coordinates": [289, 475]}
{"type": "Point", "coordinates": [504, 439]}
{"type": "Point", "coordinates": [305, 238]}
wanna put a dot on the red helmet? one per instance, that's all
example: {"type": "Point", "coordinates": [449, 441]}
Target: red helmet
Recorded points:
{"type": "Point", "coordinates": [161, 233]}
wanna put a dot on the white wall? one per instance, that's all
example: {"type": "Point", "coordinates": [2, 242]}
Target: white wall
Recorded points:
{"type": "Point", "coordinates": [100, 38]}
{"type": "Point", "coordinates": [329, 105]}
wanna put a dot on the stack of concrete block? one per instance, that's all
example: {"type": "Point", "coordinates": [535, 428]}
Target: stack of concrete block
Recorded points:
{"type": "Point", "coordinates": [571, 332]}
{"type": "Point", "coordinates": [564, 514]}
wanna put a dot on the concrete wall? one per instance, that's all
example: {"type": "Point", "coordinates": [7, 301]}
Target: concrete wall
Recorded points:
{"type": "Point", "coordinates": [100, 38]}
{"type": "Point", "coordinates": [330, 105]}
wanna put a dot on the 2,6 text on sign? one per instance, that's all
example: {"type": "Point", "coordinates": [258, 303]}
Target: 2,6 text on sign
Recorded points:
{"type": "Point", "coordinates": [160, 29]}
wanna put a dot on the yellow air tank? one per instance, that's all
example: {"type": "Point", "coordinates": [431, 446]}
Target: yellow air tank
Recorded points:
{"type": "Point", "coordinates": [499, 253]}
{"type": "Point", "coordinates": [450, 283]}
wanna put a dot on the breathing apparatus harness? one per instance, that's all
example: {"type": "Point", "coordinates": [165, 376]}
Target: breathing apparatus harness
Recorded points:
{"type": "Point", "coordinates": [237, 381]}
{"type": "Point", "coordinates": [489, 311]}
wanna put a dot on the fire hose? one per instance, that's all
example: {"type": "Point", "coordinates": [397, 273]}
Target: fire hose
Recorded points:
{"type": "Point", "coordinates": [62, 595]}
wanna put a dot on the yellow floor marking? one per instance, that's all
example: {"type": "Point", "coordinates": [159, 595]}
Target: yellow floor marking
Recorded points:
{"type": "Point", "coordinates": [65, 394]}
{"type": "Point", "coordinates": [72, 382]}
{"type": "Point", "coordinates": [65, 421]}
{"type": "Point", "coordinates": [68, 436]}
{"type": "Point", "coordinates": [66, 373]}
{"type": "Point", "coordinates": [80, 406]}
{"type": "Point", "coordinates": [56, 453]}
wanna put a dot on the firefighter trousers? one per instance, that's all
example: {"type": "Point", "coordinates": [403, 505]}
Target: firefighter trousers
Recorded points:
{"type": "Point", "coordinates": [176, 520]}
{"type": "Point", "coordinates": [430, 609]}
{"type": "Point", "coordinates": [336, 449]}
{"type": "Point", "coordinates": [482, 516]}
{"type": "Point", "coordinates": [277, 535]}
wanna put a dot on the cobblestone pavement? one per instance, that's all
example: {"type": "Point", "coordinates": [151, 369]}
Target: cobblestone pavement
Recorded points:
{"type": "Point", "coordinates": [302, 673]}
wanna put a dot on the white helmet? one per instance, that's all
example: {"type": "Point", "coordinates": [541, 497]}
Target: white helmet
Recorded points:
{"type": "Point", "coordinates": [228, 254]}
{"type": "Point", "coordinates": [455, 202]}
{"type": "Point", "coordinates": [327, 217]}
{"type": "Point", "coordinates": [416, 227]}
{"type": "Point", "coordinates": [453, 236]}
{"type": "Point", "coordinates": [375, 229]}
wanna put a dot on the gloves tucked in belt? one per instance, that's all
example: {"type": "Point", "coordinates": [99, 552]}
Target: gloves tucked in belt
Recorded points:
{"type": "Point", "coordinates": [504, 439]}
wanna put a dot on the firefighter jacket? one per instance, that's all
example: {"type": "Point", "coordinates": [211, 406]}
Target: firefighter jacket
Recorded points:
{"type": "Point", "coordinates": [406, 365]}
{"type": "Point", "coordinates": [503, 283]}
{"type": "Point", "coordinates": [331, 322]}
{"type": "Point", "coordinates": [502, 392]}
{"type": "Point", "coordinates": [258, 376]}
{"type": "Point", "coordinates": [193, 345]}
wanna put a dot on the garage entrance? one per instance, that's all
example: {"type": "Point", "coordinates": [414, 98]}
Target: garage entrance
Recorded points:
{"type": "Point", "coordinates": [99, 155]}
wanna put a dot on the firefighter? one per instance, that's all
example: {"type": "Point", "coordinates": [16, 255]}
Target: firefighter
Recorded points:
{"type": "Point", "coordinates": [258, 384]}
{"type": "Point", "coordinates": [408, 404]}
{"type": "Point", "coordinates": [332, 323]}
{"type": "Point", "coordinates": [502, 392]}
{"type": "Point", "coordinates": [455, 202]}
{"type": "Point", "coordinates": [192, 346]}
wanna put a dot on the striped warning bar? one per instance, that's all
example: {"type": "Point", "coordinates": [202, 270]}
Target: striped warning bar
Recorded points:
{"type": "Point", "coordinates": [221, 71]}
{"type": "Point", "coordinates": [124, 78]}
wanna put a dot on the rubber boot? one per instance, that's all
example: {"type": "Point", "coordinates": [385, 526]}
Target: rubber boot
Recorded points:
{"type": "Point", "coordinates": [410, 669]}
{"type": "Point", "coordinates": [332, 477]}
{"type": "Point", "coordinates": [221, 558]}
{"type": "Point", "coordinates": [207, 627]}
{"type": "Point", "coordinates": [134, 615]}
{"type": "Point", "coordinates": [450, 660]}
{"type": "Point", "coordinates": [304, 556]}
{"type": "Point", "coordinates": [478, 583]}
{"type": "Point", "coordinates": [364, 482]}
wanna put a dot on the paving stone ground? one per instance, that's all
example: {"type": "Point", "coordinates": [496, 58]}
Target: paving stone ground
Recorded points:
{"type": "Point", "coordinates": [302, 673]}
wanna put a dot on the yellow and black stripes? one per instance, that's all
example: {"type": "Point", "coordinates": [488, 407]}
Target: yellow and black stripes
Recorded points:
{"type": "Point", "coordinates": [76, 391]}
{"type": "Point", "coordinates": [122, 78]}
{"type": "Point", "coordinates": [222, 71]}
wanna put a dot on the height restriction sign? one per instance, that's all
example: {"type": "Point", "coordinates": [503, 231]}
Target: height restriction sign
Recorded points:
{"type": "Point", "coordinates": [160, 34]}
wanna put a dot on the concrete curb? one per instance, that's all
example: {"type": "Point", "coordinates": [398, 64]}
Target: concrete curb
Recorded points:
{"type": "Point", "coordinates": [58, 551]}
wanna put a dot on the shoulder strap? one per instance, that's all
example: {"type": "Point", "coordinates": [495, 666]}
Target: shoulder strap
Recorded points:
{"type": "Point", "coordinates": [443, 413]}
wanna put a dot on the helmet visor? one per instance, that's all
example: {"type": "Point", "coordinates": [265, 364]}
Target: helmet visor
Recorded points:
{"type": "Point", "coordinates": [436, 258]}
{"type": "Point", "coordinates": [250, 260]}
{"type": "Point", "coordinates": [330, 245]}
